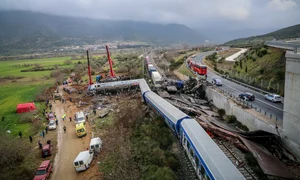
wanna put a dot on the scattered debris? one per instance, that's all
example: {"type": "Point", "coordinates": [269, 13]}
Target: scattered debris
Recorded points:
{"type": "Point", "coordinates": [104, 113]}
{"type": "Point", "coordinates": [268, 163]}
{"type": "Point", "coordinates": [163, 94]}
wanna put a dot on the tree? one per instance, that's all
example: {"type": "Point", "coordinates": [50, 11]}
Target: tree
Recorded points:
{"type": "Point", "coordinates": [221, 113]}
{"type": "Point", "coordinates": [241, 64]}
{"type": "Point", "coordinates": [67, 62]}
{"type": "Point", "coordinates": [77, 77]}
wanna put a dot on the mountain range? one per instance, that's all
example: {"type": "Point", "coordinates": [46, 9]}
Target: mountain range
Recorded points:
{"type": "Point", "coordinates": [290, 32]}
{"type": "Point", "coordinates": [23, 30]}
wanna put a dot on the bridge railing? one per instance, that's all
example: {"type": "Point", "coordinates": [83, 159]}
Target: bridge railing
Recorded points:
{"type": "Point", "coordinates": [248, 104]}
{"type": "Point", "coordinates": [284, 45]}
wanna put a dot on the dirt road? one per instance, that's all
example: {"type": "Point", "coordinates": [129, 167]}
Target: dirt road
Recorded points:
{"type": "Point", "coordinates": [69, 145]}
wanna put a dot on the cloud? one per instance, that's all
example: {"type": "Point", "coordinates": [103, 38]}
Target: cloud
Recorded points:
{"type": "Point", "coordinates": [282, 5]}
{"type": "Point", "coordinates": [213, 14]}
{"type": "Point", "coordinates": [235, 10]}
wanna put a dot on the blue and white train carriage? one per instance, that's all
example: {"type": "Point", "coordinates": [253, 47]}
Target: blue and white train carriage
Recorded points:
{"type": "Point", "coordinates": [208, 160]}
{"type": "Point", "coordinates": [170, 113]}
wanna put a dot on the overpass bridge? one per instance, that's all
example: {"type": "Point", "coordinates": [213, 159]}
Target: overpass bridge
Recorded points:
{"type": "Point", "coordinates": [291, 113]}
{"type": "Point", "coordinates": [285, 45]}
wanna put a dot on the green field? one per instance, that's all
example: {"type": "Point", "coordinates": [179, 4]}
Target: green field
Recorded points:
{"type": "Point", "coordinates": [22, 91]}
{"type": "Point", "coordinates": [184, 70]}
{"type": "Point", "coordinates": [13, 68]}
{"type": "Point", "coordinates": [186, 54]}
{"type": "Point", "coordinates": [12, 94]}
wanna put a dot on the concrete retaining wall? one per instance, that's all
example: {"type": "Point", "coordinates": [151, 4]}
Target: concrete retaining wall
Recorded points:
{"type": "Point", "coordinates": [291, 113]}
{"type": "Point", "coordinates": [250, 118]}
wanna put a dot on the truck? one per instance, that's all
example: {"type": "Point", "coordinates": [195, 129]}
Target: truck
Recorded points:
{"type": "Point", "coordinates": [156, 78]}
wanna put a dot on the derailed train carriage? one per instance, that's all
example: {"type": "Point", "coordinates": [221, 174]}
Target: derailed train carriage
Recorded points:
{"type": "Point", "coordinates": [114, 87]}
{"type": "Point", "coordinates": [206, 157]}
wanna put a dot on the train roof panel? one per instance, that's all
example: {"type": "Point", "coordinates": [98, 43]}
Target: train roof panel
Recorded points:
{"type": "Point", "coordinates": [173, 113]}
{"type": "Point", "coordinates": [152, 68]}
{"type": "Point", "coordinates": [143, 86]}
{"type": "Point", "coordinates": [214, 158]}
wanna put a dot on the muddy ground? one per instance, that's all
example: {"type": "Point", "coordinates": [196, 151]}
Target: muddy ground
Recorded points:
{"type": "Point", "coordinates": [69, 145]}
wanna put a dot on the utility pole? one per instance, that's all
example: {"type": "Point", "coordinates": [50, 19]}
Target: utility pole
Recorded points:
{"type": "Point", "coordinates": [143, 61]}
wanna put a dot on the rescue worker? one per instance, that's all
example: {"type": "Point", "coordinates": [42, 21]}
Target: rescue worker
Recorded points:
{"type": "Point", "coordinates": [40, 144]}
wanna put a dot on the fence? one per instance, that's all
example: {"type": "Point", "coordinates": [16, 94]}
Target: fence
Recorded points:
{"type": "Point", "coordinates": [247, 104]}
{"type": "Point", "coordinates": [269, 86]}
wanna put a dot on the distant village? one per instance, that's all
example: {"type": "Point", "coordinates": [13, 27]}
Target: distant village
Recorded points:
{"type": "Point", "coordinates": [101, 46]}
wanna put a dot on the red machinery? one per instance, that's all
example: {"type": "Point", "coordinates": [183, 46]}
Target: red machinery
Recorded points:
{"type": "Point", "coordinates": [89, 68]}
{"type": "Point", "coordinates": [199, 69]}
{"type": "Point", "coordinates": [111, 71]}
{"type": "Point", "coordinates": [218, 48]}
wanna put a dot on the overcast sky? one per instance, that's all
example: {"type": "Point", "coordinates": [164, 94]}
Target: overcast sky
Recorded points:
{"type": "Point", "coordinates": [198, 14]}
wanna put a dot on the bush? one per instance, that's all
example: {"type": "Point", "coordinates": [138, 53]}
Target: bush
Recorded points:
{"type": "Point", "coordinates": [262, 71]}
{"type": "Point", "coordinates": [13, 151]}
{"type": "Point", "coordinates": [122, 69]}
{"type": "Point", "coordinates": [280, 74]}
{"type": "Point", "coordinates": [67, 62]}
{"type": "Point", "coordinates": [231, 119]}
{"type": "Point", "coordinates": [221, 113]}
{"type": "Point", "coordinates": [28, 117]}
{"type": "Point", "coordinates": [263, 52]}
{"type": "Point", "coordinates": [216, 68]}
{"type": "Point", "coordinates": [236, 63]}
{"type": "Point", "coordinates": [175, 65]}
{"type": "Point", "coordinates": [155, 172]}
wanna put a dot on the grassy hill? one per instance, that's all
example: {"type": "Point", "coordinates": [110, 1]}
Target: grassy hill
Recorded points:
{"type": "Point", "coordinates": [263, 67]}
{"type": "Point", "coordinates": [285, 33]}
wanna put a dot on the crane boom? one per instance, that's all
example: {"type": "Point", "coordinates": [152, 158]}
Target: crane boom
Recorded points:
{"type": "Point", "coordinates": [111, 71]}
{"type": "Point", "coordinates": [89, 68]}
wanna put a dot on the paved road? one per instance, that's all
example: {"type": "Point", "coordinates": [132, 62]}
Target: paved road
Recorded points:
{"type": "Point", "coordinates": [276, 109]}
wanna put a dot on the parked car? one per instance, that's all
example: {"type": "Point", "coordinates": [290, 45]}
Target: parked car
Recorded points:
{"type": "Point", "coordinates": [47, 150]}
{"type": "Point", "coordinates": [43, 171]}
{"type": "Point", "coordinates": [83, 160]}
{"type": "Point", "coordinates": [52, 125]}
{"type": "Point", "coordinates": [51, 117]}
{"type": "Point", "coordinates": [217, 82]}
{"type": "Point", "coordinates": [273, 97]}
{"type": "Point", "coordinates": [79, 117]}
{"type": "Point", "coordinates": [247, 96]}
{"type": "Point", "coordinates": [95, 144]}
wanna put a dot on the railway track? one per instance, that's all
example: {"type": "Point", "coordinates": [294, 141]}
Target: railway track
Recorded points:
{"type": "Point", "coordinates": [188, 172]}
{"type": "Point", "coordinates": [237, 158]}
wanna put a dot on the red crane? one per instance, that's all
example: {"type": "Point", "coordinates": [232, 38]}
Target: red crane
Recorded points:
{"type": "Point", "coordinates": [111, 71]}
{"type": "Point", "coordinates": [89, 68]}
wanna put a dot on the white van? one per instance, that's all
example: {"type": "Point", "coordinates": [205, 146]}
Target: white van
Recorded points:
{"type": "Point", "coordinates": [83, 160]}
{"type": "Point", "coordinates": [96, 144]}
{"type": "Point", "coordinates": [80, 117]}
